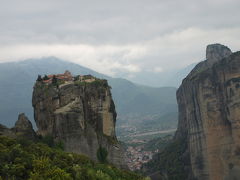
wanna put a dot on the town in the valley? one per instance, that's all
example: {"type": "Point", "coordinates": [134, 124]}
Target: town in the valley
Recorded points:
{"type": "Point", "coordinates": [136, 157]}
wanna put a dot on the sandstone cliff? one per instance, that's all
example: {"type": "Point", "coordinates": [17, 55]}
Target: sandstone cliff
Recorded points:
{"type": "Point", "coordinates": [22, 129]}
{"type": "Point", "coordinates": [209, 115]}
{"type": "Point", "coordinates": [79, 112]}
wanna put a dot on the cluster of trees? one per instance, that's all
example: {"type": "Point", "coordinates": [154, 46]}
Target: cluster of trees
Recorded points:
{"type": "Point", "coordinates": [44, 78]}
{"type": "Point", "coordinates": [171, 161]}
{"type": "Point", "coordinates": [22, 159]}
{"type": "Point", "coordinates": [158, 143]}
{"type": "Point", "coordinates": [96, 83]}
{"type": "Point", "coordinates": [55, 80]}
{"type": "Point", "coordinates": [102, 154]}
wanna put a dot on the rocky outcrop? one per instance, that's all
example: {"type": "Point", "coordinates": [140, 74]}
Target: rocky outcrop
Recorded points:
{"type": "Point", "coordinates": [81, 114]}
{"type": "Point", "coordinates": [4, 131]}
{"type": "Point", "coordinates": [216, 52]}
{"type": "Point", "coordinates": [209, 115]}
{"type": "Point", "coordinates": [22, 129]}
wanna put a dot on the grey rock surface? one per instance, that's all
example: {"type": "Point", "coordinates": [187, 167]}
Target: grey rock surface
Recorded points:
{"type": "Point", "coordinates": [209, 111]}
{"type": "Point", "coordinates": [216, 52]}
{"type": "Point", "coordinates": [81, 115]}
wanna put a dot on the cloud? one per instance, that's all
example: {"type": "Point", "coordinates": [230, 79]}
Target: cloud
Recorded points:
{"type": "Point", "coordinates": [118, 38]}
{"type": "Point", "coordinates": [105, 59]}
{"type": "Point", "coordinates": [157, 69]}
{"type": "Point", "coordinates": [163, 53]}
{"type": "Point", "coordinates": [107, 22]}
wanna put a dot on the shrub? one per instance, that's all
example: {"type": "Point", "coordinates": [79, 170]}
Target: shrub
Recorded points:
{"type": "Point", "coordinates": [54, 80]}
{"type": "Point", "coordinates": [102, 154]}
{"type": "Point", "coordinates": [48, 140]}
{"type": "Point", "coordinates": [39, 78]}
{"type": "Point", "coordinates": [171, 160]}
{"type": "Point", "coordinates": [45, 78]}
{"type": "Point", "coordinates": [59, 145]}
{"type": "Point", "coordinates": [43, 169]}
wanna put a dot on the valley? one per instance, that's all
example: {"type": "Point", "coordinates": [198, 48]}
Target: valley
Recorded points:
{"type": "Point", "coordinates": [138, 152]}
{"type": "Point", "coordinates": [141, 144]}
{"type": "Point", "coordinates": [139, 108]}
{"type": "Point", "coordinates": [134, 126]}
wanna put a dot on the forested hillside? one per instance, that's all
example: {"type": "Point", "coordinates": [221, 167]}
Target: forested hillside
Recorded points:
{"type": "Point", "coordinates": [22, 159]}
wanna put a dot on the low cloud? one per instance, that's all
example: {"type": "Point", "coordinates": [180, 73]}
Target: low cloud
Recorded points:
{"type": "Point", "coordinates": [163, 53]}
{"type": "Point", "coordinates": [157, 69]}
{"type": "Point", "coordinates": [105, 59]}
{"type": "Point", "coordinates": [118, 38]}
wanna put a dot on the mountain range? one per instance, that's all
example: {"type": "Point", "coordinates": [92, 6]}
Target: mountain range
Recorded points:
{"type": "Point", "coordinates": [134, 103]}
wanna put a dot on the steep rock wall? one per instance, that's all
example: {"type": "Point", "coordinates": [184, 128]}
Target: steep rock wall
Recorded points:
{"type": "Point", "coordinates": [209, 115]}
{"type": "Point", "coordinates": [81, 114]}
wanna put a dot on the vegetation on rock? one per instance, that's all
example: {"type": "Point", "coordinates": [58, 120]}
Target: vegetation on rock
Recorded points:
{"type": "Point", "coordinates": [102, 154]}
{"type": "Point", "coordinates": [39, 78]}
{"type": "Point", "coordinates": [158, 143]}
{"type": "Point", "coordinates": [45, 77]}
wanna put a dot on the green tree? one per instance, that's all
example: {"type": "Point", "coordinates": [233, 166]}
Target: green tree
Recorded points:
{"type": "Point", "coordinates": [59, 145]}
{"type": "Point", "coordinates": [43, 169]}
{"type": "Point", "coordinates": [45, 77]}
{"type": "Point", "coordinates": [54, 80]}
{"type": "Point", "coordinates": [37, 161]}
{"type": "Point", "coordinates": [102, 154]}
{"type": "Point", "coordinates": [39, 78]}
{"type": "Point", "coordinates": [48, 140]}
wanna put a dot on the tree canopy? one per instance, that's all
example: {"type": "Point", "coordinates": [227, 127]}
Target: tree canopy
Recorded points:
{"type": "Point", "coordinates": [22, 159]}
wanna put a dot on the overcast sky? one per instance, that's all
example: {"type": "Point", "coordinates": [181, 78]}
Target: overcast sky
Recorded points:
{"type": "Point", "coordinates": [118, 37]}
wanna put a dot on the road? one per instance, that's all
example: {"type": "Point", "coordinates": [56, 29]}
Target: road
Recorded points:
{"type": "Point", "coordinates": [154, 132]}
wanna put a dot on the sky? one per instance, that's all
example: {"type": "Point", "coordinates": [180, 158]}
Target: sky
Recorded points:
{"type": "Point", "coordinates": [125, 38]}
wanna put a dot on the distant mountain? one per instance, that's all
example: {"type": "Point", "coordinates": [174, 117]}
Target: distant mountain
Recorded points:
{"type": "Point", "coordinates": [134, 103]}
{"type": "Point", "coordinates": [17, 79]}
{"type": "Point", "coordinates": [170, 78]}
{"type": "Point", "coordinates": [148, 78]}
{"type": "Point", "coordinates": [176, 79]}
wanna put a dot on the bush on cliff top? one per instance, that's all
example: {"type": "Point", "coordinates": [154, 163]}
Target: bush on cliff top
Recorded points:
{"type": "Point", "coordinates": [28, 160]}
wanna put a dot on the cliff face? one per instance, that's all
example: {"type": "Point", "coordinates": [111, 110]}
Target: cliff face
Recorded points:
{"type": "Point", "coordinates": [209, 115]}
{"type": "Point", "coordinates": [81, 113]}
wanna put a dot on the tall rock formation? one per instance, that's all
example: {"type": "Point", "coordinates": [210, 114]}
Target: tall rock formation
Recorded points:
{"type": "Point", "coordinates": [22, 129]}
{"type": "Point", "coordinates": [209, 115]}
{"type": "Point", "coordinates": [79, 112]}
{"type": "Point", "coordinates": [216, 52]}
